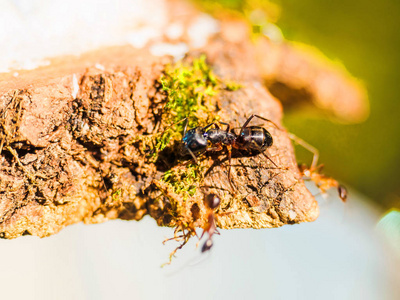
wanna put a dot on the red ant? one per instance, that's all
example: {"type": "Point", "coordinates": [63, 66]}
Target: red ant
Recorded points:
{"type": "Point", "coordinates": [313, 173]}
{"type": "Point", "coordinates": [211, 202]}
{"type": "Point", "coordinates": [322, 181]}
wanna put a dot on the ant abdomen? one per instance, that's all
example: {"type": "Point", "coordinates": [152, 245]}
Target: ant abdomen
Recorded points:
{"type": "Point", "coordinates": [254, 138]}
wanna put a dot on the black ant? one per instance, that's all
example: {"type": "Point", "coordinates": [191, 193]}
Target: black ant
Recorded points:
{"type": "Point", "coordinates": [211, 202]}
{"type": "Point", "coordinates": [313, 173]}
{"type": "Point", "coordinates": [201, 139]}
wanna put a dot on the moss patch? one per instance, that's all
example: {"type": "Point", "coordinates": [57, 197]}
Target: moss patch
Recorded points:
{"type": "Point", "coordinates": [190, 90]}
{"type": "Point", "coordinates": [184, 181]}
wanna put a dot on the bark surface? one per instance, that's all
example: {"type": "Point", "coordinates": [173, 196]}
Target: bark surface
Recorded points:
{"type": "Point", "coordinates": [71, 151]}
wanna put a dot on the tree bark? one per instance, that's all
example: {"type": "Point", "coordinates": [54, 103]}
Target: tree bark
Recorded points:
{"type": "Point", "coordinates": [69, 150]}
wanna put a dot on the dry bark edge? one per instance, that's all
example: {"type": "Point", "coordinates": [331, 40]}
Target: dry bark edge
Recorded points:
{"type": "Point", "coordinates": [66, 160]}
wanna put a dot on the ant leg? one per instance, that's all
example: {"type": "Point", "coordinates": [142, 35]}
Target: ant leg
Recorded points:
{"type": "Point", "coordinates": [230, 166]}
{"type": "Point", "coordinates": [192, 154]}
{"type": "Point", "coordinates": [266, 156]}
{"type": "Point", "coordinates": [245, 124]}
{"type": "Point", "coordinates": [228, 127]}
{"type": "Point", "coordinates": [216, 126]}
{"type": "Point", "coordinates": [209, 125]}
{"type": "Point", "coordinates": [204, 231]}
{"type": "Point", "coordinates": [269, 159]}
{"type": "Point", "coordinates": [257, 116]}
{"type": "Point", "coordinates": [216, 148]}
{"type": "Point", "coordinates": [308, 147]}
{"type": "Point", "coordinates": [267, 120]}
{"type": "Point", "coordinates": [216, 231]}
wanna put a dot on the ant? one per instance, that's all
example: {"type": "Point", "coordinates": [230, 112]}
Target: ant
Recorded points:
{"type": "Point", "coordinates": [250, 138]}
{"type": "Point", "coordinates": [211, 202]}
{"type": "Point", "coordinates": [322, 181]}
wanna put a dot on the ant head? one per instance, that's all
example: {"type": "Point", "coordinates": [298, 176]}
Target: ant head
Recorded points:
{"type": "Point", "coordinates": [212, 201]}
{"type": "Point", "coordinates": [207, 246]}
{"type": "Point", "coordinates": [305, 171]}
{"type": "Point", "coordinates": [342, 193]}
{"type": "Point", "coordinates": [194, 140]}
{"type": "Point", "coordinates": [302, 167]}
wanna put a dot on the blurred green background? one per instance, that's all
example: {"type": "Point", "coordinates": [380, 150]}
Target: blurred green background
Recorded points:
{"type": "Point", "coordinates": [365, 37]}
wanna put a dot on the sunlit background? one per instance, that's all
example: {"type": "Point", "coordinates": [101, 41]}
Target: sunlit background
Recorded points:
{"type": "Point", "coordinates": [362, 36]}
{"type": "Point", "coordinates": [351, 252]}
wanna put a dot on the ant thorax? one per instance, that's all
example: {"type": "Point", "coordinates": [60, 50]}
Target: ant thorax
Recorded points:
{"type": "Point", "coordinates": [218, 136]}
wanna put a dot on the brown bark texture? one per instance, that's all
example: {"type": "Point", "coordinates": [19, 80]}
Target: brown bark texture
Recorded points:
{"type": "Point", "coordinates": [69, 145]}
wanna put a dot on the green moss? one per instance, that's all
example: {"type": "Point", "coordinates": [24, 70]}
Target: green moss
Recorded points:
{"type": "Point", "coordinates": [116, 195]}
{"type": "Point", "coordinates": [189, 89]}
{"type": "Point", "coordinates": [232, 86]}
{"type": "Point", "coordinates": [184, 181]}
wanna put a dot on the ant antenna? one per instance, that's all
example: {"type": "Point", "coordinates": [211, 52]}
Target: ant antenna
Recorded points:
{"type": "Point", "coordinates": [192, 154]}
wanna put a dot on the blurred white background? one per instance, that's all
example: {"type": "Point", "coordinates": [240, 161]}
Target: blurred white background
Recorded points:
{"type": "Point", "coordinates": [33, 30]}
{"type": "Point", "coordinates": [340, 256]}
